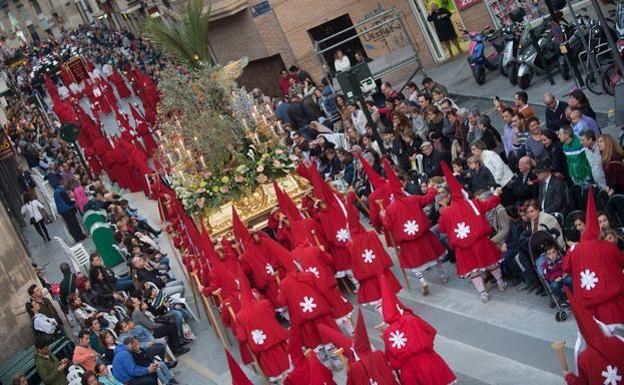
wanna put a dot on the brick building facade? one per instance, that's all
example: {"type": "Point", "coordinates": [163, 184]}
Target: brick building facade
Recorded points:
{"type": "Point", "coordinates": [277, 33]}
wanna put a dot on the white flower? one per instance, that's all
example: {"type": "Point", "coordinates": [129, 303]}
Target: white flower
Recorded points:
{"type": "Point", "coordinates": [410, 227]}
{"type": "Point", "coordinates": [588, 279]}
{"type": "Point", "coordinates": [258, 336]}
{"type": "Point", "coordinates": [368, 256]}
{"type": "Point", "coordinates": [398, 339]}
{"type": "Point", "coordinates": [314, 271]}
{"type": "Point", "coordinates": [342, 235]}
{"type": "Point", "coordinates": [611, 376]}
{"type": "Point", "coordinates": [462, 230]}
{"type": "Point", "coordinates": [308, 305]}
{"type": "Point", "coordinates": [269, 269]}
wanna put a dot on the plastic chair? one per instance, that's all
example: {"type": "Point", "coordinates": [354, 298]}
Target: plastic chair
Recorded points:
{"type": "Point", "coordinates": [75, 375]}
{"type": "Point", "coordinates": [77, 381]}
{"type": "Point", "coordinates": [78, 255]}
{"type": "Point", "coordinates": [75, 368]}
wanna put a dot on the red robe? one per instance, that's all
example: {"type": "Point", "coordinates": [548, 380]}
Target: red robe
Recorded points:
{"type": "Point", "coordinates": [468, 233]}
{"type": "Point", "coordinates": [370, 368]}
{"type": "Point", "coordinates": [120, 85]}
{"type": "Point", "coordinates": [144, 132]}
{"type": "Point", "coordinates": [108, 92]}
{"type": "Point", "coordinates": [598, 282]}
{"type": "Point", "coordinates": [409, 348]}
{"type": "Point", "coordinates": [309, 371]}
{"type": "Point", "coordinates": [593, 368]}
{"type": "Point", "coordinates": [333, 224]}
{"type": "Point", "coordinates": [308, 306]}
{"type": "Point", "coordinates": [408, 224]}
{"type": "Point", "coordinates": [260, 265]}
{"type": "Point", "coordinates": [370, 259]}
{"type": "Point", "coordinates": [256, 324]}
{"type": "Point", "coordinates": [317, 262]}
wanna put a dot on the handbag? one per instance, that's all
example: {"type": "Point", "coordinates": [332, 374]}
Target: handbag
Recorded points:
{"type": "Point", "coordinates": [32, 214]}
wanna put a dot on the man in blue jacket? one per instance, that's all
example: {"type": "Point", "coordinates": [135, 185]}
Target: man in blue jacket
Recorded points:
{"type": "Point", "coordinates": [67, 209]}
{"type": "Point", "coordinates": [127, 371]}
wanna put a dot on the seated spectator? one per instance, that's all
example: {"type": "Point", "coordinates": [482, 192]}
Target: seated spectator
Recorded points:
{"type": "Point", "coordinates": [501, 172]}
{"type": "Point", "coordinates": [614, 237]}
{"type": "Point", "coordinates": [429, 85]}
{"type": "Point", "coordinates": [101, 300]}
{"type": "Point", "coordinates": [552, 190]}
{"type": "Point", "coordinates": [542, 221]}
{"type": "Point", "coordinates": [498, 219]}
{"type": "Point", "coordinates": [107, 340]}
{"type": "Point", "coordinates": [578, 166]}
{"type": "Point", "coordinates": [159, 304]}
{"type": "Point", "coordinates": [144, 274]}
{"type": "Point", "coordinates": [432, 159]}
{"type": "Point", "coordinates": [553, 272]}
{"type": "Point", "coordinates": [579, 222]}
{"type": "Point", "coordinates": [49, 368]}
{"type": "Point", "coordinates": [84, 355]}
{"type": "Point", "coordinates": [108, 278]}
{"type": "Point", "coordinates": [83, 311]}
{"type": "Point", "coordinates": [592, 152]}
{"type": "Point", "coordinates": [163, 326]}
{"type": "Point", "coordinates": [95, 329]}
{"type": "Point", "coordinates": [479, 177]}
{"type": "Point", "coordinates": [104, 376]}
{"type": "Point", "coordinates": [125, 368]}
{"type": "Point", "coordinates": [127, 328]}
{"type": "Point", "coordinates": [141, 358]}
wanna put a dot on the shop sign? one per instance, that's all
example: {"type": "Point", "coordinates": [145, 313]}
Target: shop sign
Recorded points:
{"type": "Point", "coordinates": [465, 4]}
{"type": "Point", "coordinates": [260, 8]}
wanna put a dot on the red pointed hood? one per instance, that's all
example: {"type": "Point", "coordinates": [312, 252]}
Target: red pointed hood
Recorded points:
{"type": "Point", "coordinates": [592, 229]}
{"type": "Point", "coordinates": [361, 342]}
{"type": "Point", "coordinates": [238, 376]}
{"type": "Point", "coordinates": [136, 115]}
{"type": "Point", "coordinates": [303, 171]}
{"type": "Point", "coordinates": [353, 216]}
{"type": "Point", "coordinates": [320, 186]}
{"type": "Point", "coordinates": [393, 180]}
{"type": "Point", "coordinates": [245, 288]}
{"type": "Point", "coordinates": [376, 180]}
{"type": "Point", "coordinates": [208, 249]}
{"type": "Point", "coordinates": [240, 231]}
{"type": "Point", "coordinates": [391, 308]}
{"type": "Point", "coordinates": [611, 348]}
{"type": "Point", "coordinates": [455, 188]}
{"type": "Point", "coordinates": [288, 207]}
{"type": "Point", "coordinates": [337, 338]}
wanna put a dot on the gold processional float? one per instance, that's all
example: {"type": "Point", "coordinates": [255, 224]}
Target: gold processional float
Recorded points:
{"type": "Point", "coordinates": [251, 148]}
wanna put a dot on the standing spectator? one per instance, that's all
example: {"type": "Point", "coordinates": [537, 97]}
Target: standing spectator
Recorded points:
{"type": "Point", "coordinates": [578, 99]}
{"type": "Point", "coordinates": [328, 100]}
{"type": "Point", "coordinates": [441, 19]}
{"type": "Point", "coordinates": [578, 166]}
{"type": "Point", "coordinates": [432, 160]}
{"type": "Point", "coordinates": [341, 61]}
{"type": "Point", "coordinates": [67, 209]}
{"type": "Point", "coordinates": [412, 92]}
{"type": "Point", "coordinates": [534, 146]}
{"type": "Point", "coordinates": [612, 155]}
{"type": "Point", "coordinates": [592, 152]}
{"type": "Point", "coordinates": [84, 355]}
{"type": "Point", "coordinates": [33, 209]}
{"type": "Point", "coordinates": [521, 104]}
{"type": "Point", "coordinates": [556, 156]}
{"type": "Point", "coordinates": [49, 368]}
{"type": "Point", "coordinates": [299, 116]}
{"type": "Point", "coordinates": [24, 179]}
{"type": "Point", "coordinates": [126, 370]}
{"type": "Point", "coordinates": [580, 121]}
{"type": "Point", "coordinates": [555, 112]}
{"type": "Point", "coordinates": [67, 285]}
{"type": "Point", "coordinates": [552, 190]}
{"type": "Point", "coordinates": [525, 184]}
{"type": "Point", "coordinates": [299, 74]}
{"type": "Point", "coordinates": [390, 94]}
{"type": "Point", "coordinates": [284, 83]}
{"type": "Point", "coordinates": [509, 131]}
{"type": "Point", "coordinates": [429, 85]}
{"type": "Point", "coordinates": [479, 177]}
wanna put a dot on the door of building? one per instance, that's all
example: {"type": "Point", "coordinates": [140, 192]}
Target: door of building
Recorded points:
{"type": "Point", "coordinates": [422, 10]}
{"type": "Point", "coordinates": [263, 74]}
{"type": "Point", "coordinates": [343, 25]}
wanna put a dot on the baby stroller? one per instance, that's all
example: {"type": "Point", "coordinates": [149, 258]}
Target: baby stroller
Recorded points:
{"type": "Point", "coordinates": [537, 243]}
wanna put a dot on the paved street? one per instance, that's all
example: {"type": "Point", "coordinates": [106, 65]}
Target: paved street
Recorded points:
{"type": "Point", "coordinates": [503, 342]}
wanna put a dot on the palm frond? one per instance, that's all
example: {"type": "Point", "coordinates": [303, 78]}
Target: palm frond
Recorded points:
{"type": "Point", "coordinates": [185, 40]}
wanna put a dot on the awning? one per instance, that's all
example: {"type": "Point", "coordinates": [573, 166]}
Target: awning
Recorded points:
{"type": "Point", "coordinates": [130, 9]}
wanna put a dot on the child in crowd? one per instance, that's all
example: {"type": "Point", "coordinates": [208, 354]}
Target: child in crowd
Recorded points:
{"type": "Point", "coordinates": [554, 275]}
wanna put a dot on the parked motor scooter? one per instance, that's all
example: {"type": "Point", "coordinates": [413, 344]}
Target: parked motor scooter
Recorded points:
{"type": "Point", "coordinates": [511, 34]}
{"type": "Point", "coordinates": [476, 52]}
{"type": "Point", "coordinates": [530, 64]}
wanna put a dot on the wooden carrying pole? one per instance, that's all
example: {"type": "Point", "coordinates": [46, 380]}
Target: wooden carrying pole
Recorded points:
{"type": "Point", "coordinates": [217, 293]}
{"type": "Point", "coordinates": [559, 347]}
{"type": "Point", "coordinates": [253, 355]}
{"type": "Point", "coordinates": [340, 354]}
{"type": "Point", "coordinates": [211, 315]}
{"type": "Point", "coordinates": [396, 248]}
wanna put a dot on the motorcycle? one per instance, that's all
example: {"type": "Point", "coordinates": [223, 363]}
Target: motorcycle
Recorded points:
{"type": "Point", "coordinates": [477, 59]}
{"type": "Point", "coordinates": [612, 75]}
{"type": "Point", "coordinates": [511, 37]}
{"type": "Point", "coordinates": [549, 50]}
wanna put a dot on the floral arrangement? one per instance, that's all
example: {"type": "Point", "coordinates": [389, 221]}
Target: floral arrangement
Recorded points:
{"type": "Point", "coordinates": [214, 189]}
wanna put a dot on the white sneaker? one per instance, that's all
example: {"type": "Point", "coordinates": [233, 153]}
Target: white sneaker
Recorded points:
{"type": "Point", "coordinates": [485, 297]}
{"type": "Point", "coordinates": [502, 286]}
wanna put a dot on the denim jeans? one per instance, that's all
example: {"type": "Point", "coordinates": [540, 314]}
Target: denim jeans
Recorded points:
{"type": "Point", "coordinates": [557, 287]}
{"type": "Point", "coordinates": [539, 263]}
{"type": "Point", "coordinates": [163, 372]}
{"type": "Point", "coordinates": [180, 315]}
{"type": "Point", "coordinates": [123, 283]}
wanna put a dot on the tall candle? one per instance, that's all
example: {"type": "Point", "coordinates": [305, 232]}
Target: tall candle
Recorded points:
{"type": "Point", "coordinates": [264, 119]}
{"type": "Point", "coordinates": [268, 107]}
{"type": "Point", "coordinates": [201, 158]}
{"type": "Point", "coordinates": [170, 158]}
